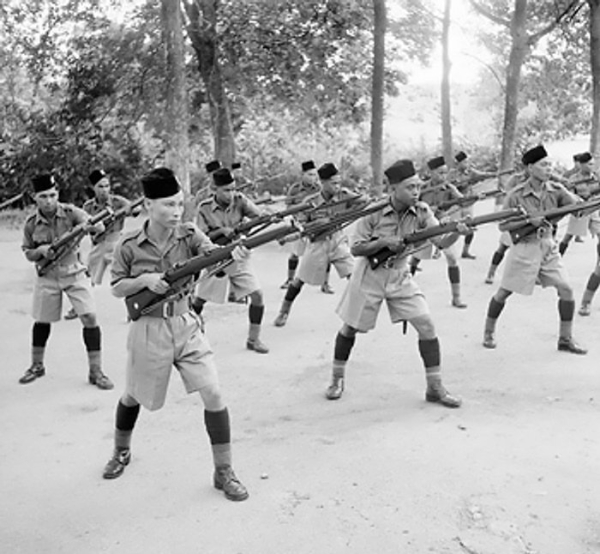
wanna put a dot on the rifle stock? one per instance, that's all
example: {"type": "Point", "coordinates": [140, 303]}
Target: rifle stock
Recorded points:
{"type": "Point", "coordinates": [519, 233]}
{"type": "Point", "coordinates": [63, 244]}
{"type": "Point", "coordinates": [145, 300]}
{"type": "Point", "coordinates": [379, 257]}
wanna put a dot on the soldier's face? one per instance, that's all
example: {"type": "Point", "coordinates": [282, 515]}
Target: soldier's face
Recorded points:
{"type": "Point", "coordinates": [47, 200]}
{"type": "Point", "coordinates": [167, 212]}
{"type": "Point", "coordinates": [310, 177]}
{"type": "Point", "coordinates": [102, 189]}
{"type": "Point", "coordinates": [586, 167]}
{"type": "Point", "coordinates": [439, 174]}
{"type": "Point", "coordinates": [407, 192]}
{"type": "Point", "coordinates": [224, 194]}
{"type": "Point", "coordinates": [540, 169]}
{"type": "Point", "coordinates": [331, 186]}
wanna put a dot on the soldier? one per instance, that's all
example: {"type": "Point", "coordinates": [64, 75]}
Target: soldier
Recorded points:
{"type": "Point", "coordinates": [536, 255]}
{"type": "Point", "coordinates": [170, 334]}
{"type": "Point", "coordinates": [67, 275]}
{"type": "Point", "coordinates": [329, 249]}
{"type": "Point", "coordinates": [206, 185]}
{"type": "Point", "coordinates": [464, 177]}
{"type": "Point", "coordinates": [438, 190]}
{"type": "Point", "coordinates": [218, 216]}
{"type": "Point", "coordinates": [582, 183]}
{"type": "Point", "coordinates": [391, 282]}
{"type": "Point", "coordinates": [308, 186]}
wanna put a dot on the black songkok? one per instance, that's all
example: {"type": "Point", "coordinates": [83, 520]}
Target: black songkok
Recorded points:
{"type": "Point", "coordinates": [212, 166]}
{"type": "Point", "coordinates": [307, 166]}
{"type": "Point", "coordinates": [327, 171]}
{"type": "Point", "coordinates": [236, 165]}
{"type": "Point", "coordinates": [434, 163]}
{"type": "Point", "coordinates": [96, 175]}
{"type": "Point", "coordinates": [160, 183]}
{"type": "Point", "coordinates": [222, 177]}
{"type": "Point", "coordinates": [534, 155]}
{"type": "Point", "coordinates": [584, 158]}
{"type": "Point", "coordinates": [43, 182]}
{"type": "Point", "coordinates": [460, 156]}
{"type": "Point", "coordinates": [401, 170]}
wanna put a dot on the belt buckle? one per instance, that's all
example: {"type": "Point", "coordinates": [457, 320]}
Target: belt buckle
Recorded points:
{"type": "Point", "coordinates": [168, 309]}
{"type": "Point", "coordinates": [542, 232]}
{"type": "Point", "coordinates": [389, 262]}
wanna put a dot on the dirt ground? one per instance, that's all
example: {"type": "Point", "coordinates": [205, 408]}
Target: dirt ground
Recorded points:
{"type": "Point", "coordinates": [514, 471]}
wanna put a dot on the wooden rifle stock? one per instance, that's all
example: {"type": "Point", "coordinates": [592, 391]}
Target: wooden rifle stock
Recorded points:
{"type": "Point", "coordinates": [66, 242]}
{"type": "Point", "coordinates": [375, 260]}
{"type": "Point", "coordinates": [551, 216]}
{"type": "Point", "coordinates": [145, 300]}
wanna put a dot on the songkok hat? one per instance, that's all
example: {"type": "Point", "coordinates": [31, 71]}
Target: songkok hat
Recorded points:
{"type": "Point", "coordinates": [327, 171]}
{"type": "Point", "coordinates": [401, 170]}
{"type": "Point", "coordinates": [43, 182]}
{"type": "Point", "coordinates": [534, 155]}
{"type": "Point", "coordinates": [96, 175]}
{"type": "Point", "coordinates": [584, 157]}
{"type": "Point", "coordinates": [160, 183]}
{"type": "Point", "coordinates": [212, 166]}
{"type": "Point", "coordinates": [222, 177]}
{"type": "Point", "coordinates": [307, 166]}
{"type": "Point", "coordinates": [434, 163]}
{"type": "Point", "coordinates": [576, 157]}
{"type": "Point", "coordinates": [236, 165]}
{"type": "Point", "coordinates": [460, 156]}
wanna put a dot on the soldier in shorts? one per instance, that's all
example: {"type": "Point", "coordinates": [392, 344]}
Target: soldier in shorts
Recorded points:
{"type": "Point", "coordinates": [437, 191]}
{"type": "Point", "coordinates": [329, 249]}
{"type": "Point", "coordinates": [391, 282]}
{"type": "Point", "coordinates": [535, 256]}
{"type": "Point", "coordinates": [296, 194]}
{"type": "Point", "coordinates": [219, 214]}
{"type": "Point", "coordinates": [51, 220]}
{"type": "Point", "coordinates": [170, 335]}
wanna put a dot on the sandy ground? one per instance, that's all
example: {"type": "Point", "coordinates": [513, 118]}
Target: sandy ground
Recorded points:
{"type": "Point", "coordinates": [515, 471]}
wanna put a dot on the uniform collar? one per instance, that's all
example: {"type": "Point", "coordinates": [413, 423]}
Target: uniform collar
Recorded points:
{"type": "Point", "coordinates": [142, 236]}
{"type": "Point", "coordinates": [214, 205]}
{"type": "Point", "coordinates": [389, 209]}
{"type": "Point", "coordinates": [528, 189]}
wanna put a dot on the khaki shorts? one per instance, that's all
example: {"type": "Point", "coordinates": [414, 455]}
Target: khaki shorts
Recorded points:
{"type": "Point", "coordinates": [296, 247]}
{"type": "Point", "coordinates": [100, 258]}
{"type": "Point", "coordinates": [578, 226]}
{"type": "Point", "coordinates": [155, 345]}
{"type": "Point", "coordinates": [320, 254]}
{"type": "Point", "coordinates": [48, 293]}
{"type": "Point", "coordinates": [530, 260]}
{"type": "Point", "coordinates": [238, 275]}
{"type": "Point", "coordinates": [368, 289]}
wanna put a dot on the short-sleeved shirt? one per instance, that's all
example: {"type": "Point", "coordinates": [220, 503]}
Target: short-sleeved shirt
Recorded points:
{"type": "Point", "coordinates": [40, 229]}
{"type": "Point", "coordinates": [327, 210]}
{"type": "Point", "coordinates": [551, 195]}
{"type": "Point", "coordinates": [115, 203]}
{"type": "Point", "coordinates": [213, 216]}
{"type": "Point", "coordinates": [434, 195]}
{"type": "Point", "coordinates": [136, 253]}
{"type": "Point", "coordinates": [582, 184]}
{"type": "Point", "coordinates": [465, 178]}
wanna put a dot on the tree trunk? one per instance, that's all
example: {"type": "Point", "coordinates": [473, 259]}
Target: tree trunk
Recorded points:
{"type": "Point", "coordinates": [202, 30]}
{"type": "Point", "coordinates": [595, 63]}
{"type": "Point", "coordinates": [177, 118]}
{"type": "Point", "coordinates": [377, 98]}
{"type": "Point", "coordinates": [445, 92]}
{"type": "Point", "coordinates": [518, 52]}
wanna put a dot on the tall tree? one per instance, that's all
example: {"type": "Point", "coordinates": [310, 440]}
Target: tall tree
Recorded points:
{"type": "Point", "coordinates": [595, 63]}
{"type": "Point", "coordinates": [377, 96]}
{"type": "Point", "coordinates": [523, 40]}
{"type": "Point", "coordinates": [177, 118]}
{"type": "Point", "coordinates": [202, 30]}
{"type": "Point", "coordinates": [445, 93]}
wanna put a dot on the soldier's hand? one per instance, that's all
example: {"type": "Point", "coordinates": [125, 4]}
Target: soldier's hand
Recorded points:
{"type": "Point", "coordinates": [462, 228]}
{"type": "Point", "coordinates": [240, 253]}
{"type": "Point", "coordinates": [155, 282]}
{"type": "Point", "coordinates": [537, 221]}
{"type": "Point", "coordinates": [395, 244]}
{"type": "Point", "coordinates": [46, 251]}
{"type": "Point", "coordinates": [228, 232]}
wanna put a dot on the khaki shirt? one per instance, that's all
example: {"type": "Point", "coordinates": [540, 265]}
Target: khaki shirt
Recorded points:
{"type": "Point", "coordinates": [136, 254]}
{"type": "Point", "coordinates": [437, 194]}
{"type": "Point", "coordinates": [583, 189]}
{"type": "Point", "coordinates": [213, 216]}
{"type": "Point", "coordinates": [298, 192]}
{"type": "Point", "coordinates": [465, 178]}
{"type": "Point", "coordinates": [40, 230]}
{"type": "Point", "coordinates": [115, 203]}
{"type": "Point", "coordinates": [552, 195]}
{"type": "Point", "coordinates": [326, 212]}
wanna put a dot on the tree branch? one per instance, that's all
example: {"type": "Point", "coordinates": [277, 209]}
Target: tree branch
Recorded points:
{"type": "Point", "coordinates": [572, 7]}
{"type": "Point", "coordinates": [486, 13]}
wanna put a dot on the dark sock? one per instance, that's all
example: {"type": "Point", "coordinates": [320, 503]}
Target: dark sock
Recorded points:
{"type": "Point", "coordinates": [255, 313]}
{"type": "Point", "coordinates": [40, 333]}
{"type": "Point", "coordinates": [217, 426]}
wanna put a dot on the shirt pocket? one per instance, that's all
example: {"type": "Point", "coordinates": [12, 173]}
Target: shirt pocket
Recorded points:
{"type": "Point", "coordinates": [41, 235]}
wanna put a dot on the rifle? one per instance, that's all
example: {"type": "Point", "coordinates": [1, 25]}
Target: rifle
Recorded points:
{"type": "Point", "coordinates": [111, 221]}
{"type": "Point", "coordinates": [262, 222]}
{"type": "Point", "coordinates": [325, 205]}
{"type": "Point", "coordinates": [67, 241]}
{"type": "Point", "coordinates": [551, 216]}
{"type": "Point", "coordinates": [12, 200]}
{"type": "Point", "coordinates": [316, 230]}
{"type": "Point", "coordinates": [379, 257]}
{"type": "Point", "coordinates": [468, 200]}
{"type": "Point", "coordinates": [144, 301]}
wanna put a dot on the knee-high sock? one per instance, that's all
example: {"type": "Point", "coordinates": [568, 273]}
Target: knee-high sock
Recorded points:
{"type": "Point", "coordinates": [39, 337]}
{"type": "Point", "coordinates": [255, 315]}
{"type": "Point", "coordinates": [125, 419]}
{"type": "Point", "coordinates": [341, 354]}
{"type": "Point", "coordinates": [431, 356]}
{"type": "Point", "coordinates": [566, 309]}
{"type": "Point", "coordinates": [92, 337]}
{"type": "Point", "coordinates": [591, 288]}
{"type": "Point", "coordinates": [219, 432]}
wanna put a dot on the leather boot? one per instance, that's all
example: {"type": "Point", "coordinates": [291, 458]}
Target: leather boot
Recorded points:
{"type": "Point", "coordinates": [335, 389]}
{"type": "Point", "coordinates": [34, 372]}
{"type": "Point", "coordinates": [224, 479]}
{"type": "Point", "coordinates": [438, 394]}
{"type": "Point", "coordinates": [98, 378]}
{"type": "Point", "coordinates": [116, 465]}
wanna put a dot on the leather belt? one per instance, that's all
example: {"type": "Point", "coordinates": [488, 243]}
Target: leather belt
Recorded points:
{"type": "Point", "coordinates": [170, 308]}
